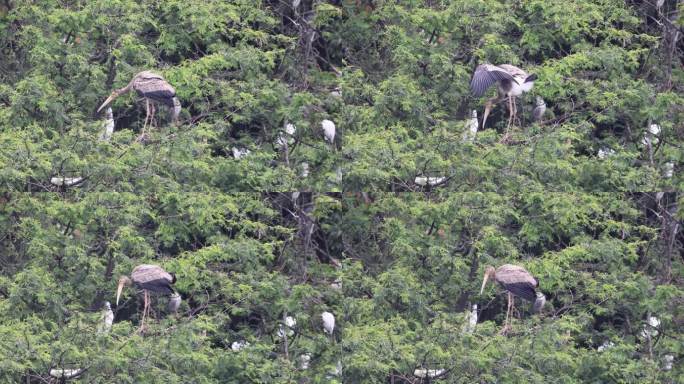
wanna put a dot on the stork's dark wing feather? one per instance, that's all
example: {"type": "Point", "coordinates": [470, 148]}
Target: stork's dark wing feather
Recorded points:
{"type": "Point", "coordinates": [155, 88]}
{"type": "Point", "coordinates": [485, 75]}
{"type": "Point", "coordinates": [523, 290]}
{"type": "Point", "coordinates": [161, 286]}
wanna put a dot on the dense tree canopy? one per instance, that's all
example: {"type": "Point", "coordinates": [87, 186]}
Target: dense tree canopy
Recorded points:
{"type": "Point", "coordinates": [395, 219]}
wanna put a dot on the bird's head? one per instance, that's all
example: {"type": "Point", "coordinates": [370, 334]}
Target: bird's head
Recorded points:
{"type": "Point", "coordinates": [107, 305]}
{"type": "Point", "coordinates": [540, 101]}
{"type": "Point", "coordinates": [123, 280]}
{"type": "Point", "coordinates": [474, 114]}
{"type": "Point", "coordinates": [489, 274]}
{"type": "Point", "coordinates": [111, 98]}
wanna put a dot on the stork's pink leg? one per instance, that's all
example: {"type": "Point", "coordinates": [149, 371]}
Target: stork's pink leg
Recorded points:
{"type": "Point", "coordinates": [147, 118]}
{"type": "Point", "coordinates": [146, 303]}
{"type": "Point", "coordinates": [152, 121]}
{"type": "Point", "coordinates": [510, 119]}
{"type": "Point", "coordinates": [506, 326]}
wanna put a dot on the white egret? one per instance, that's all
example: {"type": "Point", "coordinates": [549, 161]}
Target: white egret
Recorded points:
{"type": "Point", "coordinates": [651, 135]}
{"type": "Point", "coordinates": [539, 302]}
{"type": "Point", "coordinates": [428, 373]}
{"type": "Point", "coordinates": [328, 322]}
{"type": "Point", "coordinates": [290, 323]}
{"type": "Point", "coordinates": [605, 152]}
{"type": "Point", "coordinates": [304, 361]}
{"type": "Point", "coordinates": [108, 125]}
{"type": "Point", "coordinates": [60, 373]}
{"type": "Point", "coordinates": [650, 328]}
{"type": "Point", "coordinates": [107, 319]}
{"type": "Point", "coordinates": [174, 303]}
{"type": "Point", "coordinates": [605, 346]}
{"type": "Point", "coordinates": [239, 153]}
{"type": "Point", "coordinates": [286, 138]}
{"type": "Point", "coordinates": [239, 345]}
{"type": "Point", "coordinates": [471, 128]}
{"type": "Point", "coordinates": [539, 109]}
{"type": "Point", "coordinates": [472, 320]}
{"type": "Point", "coordinates": [328, 130]}
{"type": "Point", "coordinates": [66, 181]}
{"type": "Point", "coordinates": [423, 181]}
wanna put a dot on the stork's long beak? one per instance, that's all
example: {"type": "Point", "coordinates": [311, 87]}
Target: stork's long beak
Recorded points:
{"type": "Point", "coordinates": [484, 282]}
{"type": "Point", "coordinates": [488, 108]}
{"type": "Point", "coordinates": [118, 291]}
{"type": "Point", "coordinates": [109, 100]}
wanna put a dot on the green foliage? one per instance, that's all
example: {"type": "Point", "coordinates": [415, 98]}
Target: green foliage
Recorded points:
{"type": "Point", "coordinates": [399, 263]}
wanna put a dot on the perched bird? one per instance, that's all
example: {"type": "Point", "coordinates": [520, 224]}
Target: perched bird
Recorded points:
{"type": "Point", "coordinates": [650, 328]}
{"type": "Point", "coordinates": [651, 135]}
{"type": "Point", "coordinates": [472, 320]}
{"type": "Point", "coordinates": [512, 81]}
{"type": "Point", "coordinates": [239, 153]}
{"type": "Point", "coordinates": [423, 373]}
{"type": "Point", "coordinates": [328, 322]}
{"type": "Point", "coordinates": [153, 88]}
{"type": "Point", "coordinates": [285, 137]}
{"type": "Point", "coordinates": [304, 361]}
{"type": "Point", "coordinates": [108, 125]}
{"type": "Point", "coordinates": [471, 127]}
{"type": "Point", "coordinates": [539, 109]}
{"type": "Point", "coordinates": [667, 362]}
{"type": "Point", "coordinates": [605, 346]}
{"type": "Point", "coordinates": [66, 181]}
{"type": "Point", "coordinates": [174, 303]}
{"type": "Point", "coordinates": [668, 170]}
{"type": "Point", "coordinates": [238, 345]}
{"type": "Point", "coordinates": [514, 279]}
{"type": "Point", "coordinates": [539, 302]}
{"type": "Point", "coordinates": [328, 130]}
{"type": "Point", "coordinates": [605, 152]}
{"type": "Point", "coordinates": [290, 323]}
{"type": "Point", "coordinates": [60, 373]}
{"type": "Point", "coordinates": [149, 278]}
{"type": "Point", "coordinates": [305, 170]}
{"type": "Point", "coordinates": [336, 284]}
{"type": "Point", "coordinates": [423, 181]}
{"type": "Point", "coordinates": [107, 319]}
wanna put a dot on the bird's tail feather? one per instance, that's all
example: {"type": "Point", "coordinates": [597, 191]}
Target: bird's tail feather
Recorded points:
{"type": "Point", "coordinates": [531, 77]}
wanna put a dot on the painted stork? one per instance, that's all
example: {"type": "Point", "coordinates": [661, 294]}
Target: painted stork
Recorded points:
{"type": "Point", "coordinates": [539, 109]}
{"type": "Point", "coordinates": [107, 319]}
{"type": "Point", "coordinates": [514, 279]}
{"type": "Point", "coordinates": [153, 88]}
{"type": "Point", "coordinates": [512, 81]}
{"type": "Point", "coordinates": [149, 278]}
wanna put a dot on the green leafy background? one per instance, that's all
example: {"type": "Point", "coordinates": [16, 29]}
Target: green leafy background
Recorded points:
{"type": "Point", "coordinates": [602, 235]}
